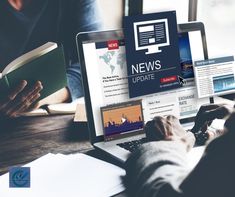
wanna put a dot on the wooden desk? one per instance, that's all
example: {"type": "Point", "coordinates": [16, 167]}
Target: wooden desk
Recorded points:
{"type": "Point", "coordinates": [25, 139]}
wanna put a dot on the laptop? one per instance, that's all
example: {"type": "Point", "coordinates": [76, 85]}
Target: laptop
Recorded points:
{"type": "Point", "coordinates": [116, 122]}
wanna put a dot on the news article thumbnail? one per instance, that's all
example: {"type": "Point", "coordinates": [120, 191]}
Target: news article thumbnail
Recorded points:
{"type": "Point", "coordinates": [215, 76]}
{"type": "Point", "coordinates": [122, 118]}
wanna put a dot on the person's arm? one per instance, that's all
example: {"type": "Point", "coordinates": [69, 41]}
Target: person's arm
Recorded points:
{"type": "Point", "coordinates": [74, 79]}
{"type": "Point", "coordinates": [215, 175]}
{"type": "Point", "coordinates": [85, 17]}
{"type": "Point", "coordinates": [158, 168]}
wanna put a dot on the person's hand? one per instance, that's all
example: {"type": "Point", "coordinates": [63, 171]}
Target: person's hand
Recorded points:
{"type": "Point", "coordinates": [20, 100]}
{"type": "Point", "coordinates": [168, 128]}
{"type": "Point", "coordinates": [207, 113]}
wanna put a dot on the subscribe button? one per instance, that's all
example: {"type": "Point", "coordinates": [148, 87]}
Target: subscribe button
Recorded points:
{"type": "Point", "coordinates": [168, 79]}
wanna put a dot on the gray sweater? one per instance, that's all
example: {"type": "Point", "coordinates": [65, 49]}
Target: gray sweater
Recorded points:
{"type": "Point", "coordinates": [160, 169]}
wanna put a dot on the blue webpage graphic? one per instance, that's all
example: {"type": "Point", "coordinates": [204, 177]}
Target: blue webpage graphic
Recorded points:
{"type": "Point", "coordinates": [224, 83]}
{"type": "Point", "coordinates": [152, 53]}
{"type": "Point", "coordinates": [215, 76]}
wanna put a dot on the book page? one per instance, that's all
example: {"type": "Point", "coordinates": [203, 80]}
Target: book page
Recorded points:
{"type": "Point", "coordinates": [60, 108]}
{"type": "Point", "coordinates": [65, 108]}
{"type": "Point", "coordinates": [27, 57]}
{"type": "Point", "coordinates": [36, 112]}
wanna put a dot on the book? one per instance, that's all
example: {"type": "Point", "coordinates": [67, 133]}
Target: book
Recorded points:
{"type": "Point", "coordinates": [45, 63]}
{"type": "Point", "coordinates": [65, 108]}
{"type": "Point", "coordinates": [77, 106]}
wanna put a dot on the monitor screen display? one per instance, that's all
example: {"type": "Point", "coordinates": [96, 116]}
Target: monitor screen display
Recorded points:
{"type": "Point", "coordinates": [151, 35]}
{"type": "Point", "coordinates": [122, 119]}
{"type": "Point", "coordinates": [108, 83]}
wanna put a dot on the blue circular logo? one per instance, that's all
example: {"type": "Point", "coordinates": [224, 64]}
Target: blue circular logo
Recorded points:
{"type": "Point", "coordinates": [19, 178]}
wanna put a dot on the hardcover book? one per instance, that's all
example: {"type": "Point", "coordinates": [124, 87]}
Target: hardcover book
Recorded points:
{"type": "Point", "coordinates": [45, 63]}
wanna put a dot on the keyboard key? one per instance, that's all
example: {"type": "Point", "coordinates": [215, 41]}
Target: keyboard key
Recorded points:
{"type": "Point", "coordinates": [132, 145]}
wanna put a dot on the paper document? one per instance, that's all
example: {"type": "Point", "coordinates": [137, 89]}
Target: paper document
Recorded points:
{"type": "Point", "coordinates": [76, 175]}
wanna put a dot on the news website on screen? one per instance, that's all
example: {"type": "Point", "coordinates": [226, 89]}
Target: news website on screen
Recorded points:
{"type": "Point", "coordinates": [108, 81]}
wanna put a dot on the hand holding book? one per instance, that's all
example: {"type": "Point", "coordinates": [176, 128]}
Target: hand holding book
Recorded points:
{"type": "Point", "coordinates": [20, 99]}
{"type": "Point", "coordinates": [21, 80]}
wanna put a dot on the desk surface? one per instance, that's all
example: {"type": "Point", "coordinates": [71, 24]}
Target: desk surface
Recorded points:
{"type": "Point", "coordinates": [25, 139]}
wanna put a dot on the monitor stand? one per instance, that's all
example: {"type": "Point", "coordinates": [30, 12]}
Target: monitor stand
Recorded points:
{"type": "Point", "coordinates": [153, 49]}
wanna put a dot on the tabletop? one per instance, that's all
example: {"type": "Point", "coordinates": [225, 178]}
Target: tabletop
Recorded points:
{"type": "Point", "coordinates": [25, 139]}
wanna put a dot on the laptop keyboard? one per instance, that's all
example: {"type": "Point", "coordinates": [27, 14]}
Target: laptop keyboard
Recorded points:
{"type": "Point", "coordinates": [132, 145]}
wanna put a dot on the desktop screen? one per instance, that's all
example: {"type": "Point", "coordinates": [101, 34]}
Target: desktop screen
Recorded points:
{"type": "Point", "coordinates": [154, 36]}
{"type": "Point", "coordinates": [151, 33]}
{"type": "Point", "coordinates": [108, 84]}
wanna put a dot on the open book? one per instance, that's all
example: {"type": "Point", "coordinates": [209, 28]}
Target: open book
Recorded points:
{"type": "Point", "coordinates": [77, 106]}
{"type": "Point", "coordinates": [45, 63]}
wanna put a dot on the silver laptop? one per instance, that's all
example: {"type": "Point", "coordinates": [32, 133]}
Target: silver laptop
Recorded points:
{"type": "Point", "coordinates": [115, 121]}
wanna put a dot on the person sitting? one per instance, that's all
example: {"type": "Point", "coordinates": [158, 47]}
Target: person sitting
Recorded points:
{"type": "Point", "coordinates": [159, 168]}
{"type": "Point", "coordinates": [28, 24]}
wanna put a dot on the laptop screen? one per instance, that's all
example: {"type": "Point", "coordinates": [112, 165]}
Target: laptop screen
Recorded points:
{"type": "Point", "coordinates": [105, 63]}
{"type": "Point", "coordinates": [122, 120]}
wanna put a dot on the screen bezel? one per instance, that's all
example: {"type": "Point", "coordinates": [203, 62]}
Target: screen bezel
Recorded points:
{"type": "Point", "coordinates": [88, 37]}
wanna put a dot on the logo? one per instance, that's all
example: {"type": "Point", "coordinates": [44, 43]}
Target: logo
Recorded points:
{"type": "Point", "coordinates": [152, 53]}
{"type": "Point", "coordinates": [151, 35]}
{"type": "Point", "coordinates": [19, 177]}
{"type": "Point", "coordinates": [113, 44]}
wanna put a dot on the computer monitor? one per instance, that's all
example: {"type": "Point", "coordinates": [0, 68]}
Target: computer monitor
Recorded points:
{"type": "Point", "coordinates": [105, 83]}
{"type": "Point", "coordinates": [151, 35]}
